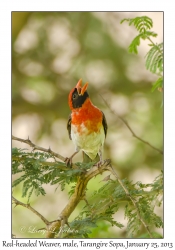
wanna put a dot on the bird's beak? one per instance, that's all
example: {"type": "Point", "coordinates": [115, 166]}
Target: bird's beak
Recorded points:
{"type": "Point", "coordinates": [81, 89]}
{"type": "Point", "coordinates": [84, 88]}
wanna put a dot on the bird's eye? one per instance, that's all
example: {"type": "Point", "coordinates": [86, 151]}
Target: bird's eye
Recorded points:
{"type": "Point", "coordinates": [74, 96]}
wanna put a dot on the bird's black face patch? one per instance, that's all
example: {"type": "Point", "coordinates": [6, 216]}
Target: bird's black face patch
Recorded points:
{"type": "Point", "coordinates": [78, 100]}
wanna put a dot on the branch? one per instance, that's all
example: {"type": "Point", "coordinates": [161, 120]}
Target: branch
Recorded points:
{"type": "Point", "coordinates": [78, 195]}
{"type": "Point", "coordinates": [46, 222]}
{"type": "Point", "coordinates": [130, 129]}
{"type": "Point", "coordinates": [35, 147]}
{"type": "Point", "coordinates": [110, 168]}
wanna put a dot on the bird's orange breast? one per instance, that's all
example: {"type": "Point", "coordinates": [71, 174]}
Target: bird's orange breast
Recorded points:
{"type": "Point", "coordinates": [87, 115]}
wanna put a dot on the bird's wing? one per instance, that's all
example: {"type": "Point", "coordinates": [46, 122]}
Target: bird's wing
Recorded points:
{"type": "Point", "coordinates": [104, 122]}
{"type": "Point", "coordinates": [69, 126]}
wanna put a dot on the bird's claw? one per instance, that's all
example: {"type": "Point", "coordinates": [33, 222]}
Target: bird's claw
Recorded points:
{"type": "Point", "coordinates": [68, 161]}
{"type": "Point", "coordinates": [99, 163]}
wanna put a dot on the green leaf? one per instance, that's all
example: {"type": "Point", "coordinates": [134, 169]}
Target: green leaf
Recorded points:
{"type": "Point", "coordinates": [154, 58]}
{"type": "Point", "coordinates": [157, 84]}
{"type": "Point", "coordinates": [146, 34]}
{"type": "Point", "coordinates": [142, 23]}
{"type": "Point", "coordinates": [30, 194]}
{"type": "Point", "coordinates": [134, 44]}
{"type": "Point", "coordinates": [19, 180]}
{"type": "Point", "coordinates": [26, 186]}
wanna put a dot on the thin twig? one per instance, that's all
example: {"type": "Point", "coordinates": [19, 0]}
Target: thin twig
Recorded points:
{"type": "Point", "coordinates": [130, 129]}
{"type": "Point", "coordinates": [134, 135]}
{"type": "Point", "coordinates": [110, 168]}
{"type": "Point", "coordinates": [46, 222]}
{"type": "Point", "coordinates": [35, 147]}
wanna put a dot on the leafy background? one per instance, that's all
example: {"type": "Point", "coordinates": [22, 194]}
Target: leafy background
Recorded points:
{"type": "Point", "coordinates": [51, 51]}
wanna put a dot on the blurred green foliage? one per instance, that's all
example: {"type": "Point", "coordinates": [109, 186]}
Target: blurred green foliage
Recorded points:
{"type": "Point", "coordinates": [51, 51]}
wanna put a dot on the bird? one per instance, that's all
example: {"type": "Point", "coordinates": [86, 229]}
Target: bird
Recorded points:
{"type": "Point", "coordinates": [87, 125]}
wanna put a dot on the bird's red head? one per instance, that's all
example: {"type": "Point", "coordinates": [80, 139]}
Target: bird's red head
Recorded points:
{"type": "Point", "coordinates": [78, 95]}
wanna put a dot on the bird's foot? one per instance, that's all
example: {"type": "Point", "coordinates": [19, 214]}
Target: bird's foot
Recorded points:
{"type": "Point", "coordinates": [68, 161]}
{"type": "Point", "coordinates": [99, 163]}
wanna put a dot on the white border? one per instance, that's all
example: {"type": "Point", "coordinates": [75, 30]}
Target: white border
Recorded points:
{"type": "Point", "coordinates": [5, 92]}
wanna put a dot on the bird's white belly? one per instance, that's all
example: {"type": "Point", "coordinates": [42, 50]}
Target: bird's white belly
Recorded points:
{"type": "Point", "coordinates": [90, 143]}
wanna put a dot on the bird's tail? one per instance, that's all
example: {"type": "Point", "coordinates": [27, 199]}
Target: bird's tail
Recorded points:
{"type": "Point", "coordinates": [87, 159]}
